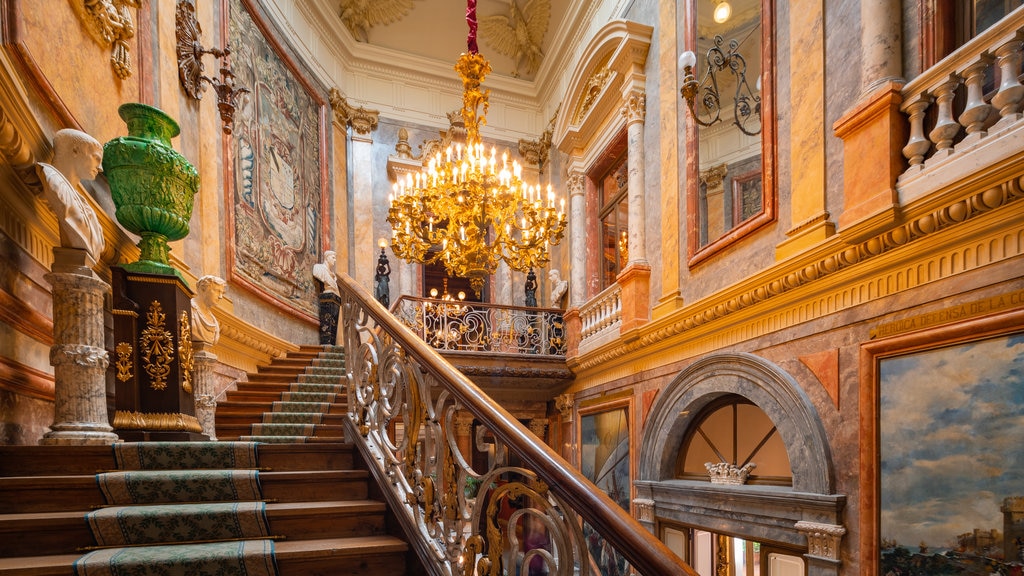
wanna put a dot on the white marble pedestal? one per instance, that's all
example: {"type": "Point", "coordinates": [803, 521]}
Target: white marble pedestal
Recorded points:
{"type": "Point", "coordinates": [78, 356]}
{"type": "Point", "coordinates": [205, 387]}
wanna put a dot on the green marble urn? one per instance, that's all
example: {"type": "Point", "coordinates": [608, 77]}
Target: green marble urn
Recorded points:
{"type": "Point", "coordinates": [152, 185]}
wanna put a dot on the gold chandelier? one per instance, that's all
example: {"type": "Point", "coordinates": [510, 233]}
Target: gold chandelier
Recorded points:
{"type": "Point", "coordinates": [467, 209]}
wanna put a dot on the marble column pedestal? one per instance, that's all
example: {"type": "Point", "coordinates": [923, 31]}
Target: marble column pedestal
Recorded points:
{"type": "Point", "coordinates": [205, 387]}
{"type": "Point", "coordinates": [78, 355]}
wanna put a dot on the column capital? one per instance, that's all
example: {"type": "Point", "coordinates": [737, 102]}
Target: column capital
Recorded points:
{"type": "Point", "coordinates": [564, 404]}
{"type": "Point", "coordinates": [360, 119]}
{"type": "Point", "coordinates": [576, 183]}
{"type": "Point", "coordinates": [635, 107]}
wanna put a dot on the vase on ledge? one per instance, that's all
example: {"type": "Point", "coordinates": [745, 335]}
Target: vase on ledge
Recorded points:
{"type": "Point", "coordinates": [152, 185]}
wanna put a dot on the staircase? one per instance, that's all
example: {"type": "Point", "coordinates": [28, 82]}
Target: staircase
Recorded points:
{"type": "Point", "coordinates": [322, 507]}
{"type": "Point", "coordinates": [298, 398]}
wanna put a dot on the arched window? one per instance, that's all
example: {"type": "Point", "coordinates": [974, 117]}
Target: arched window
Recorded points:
{"type": "Point", "coordinates": [735, 432]}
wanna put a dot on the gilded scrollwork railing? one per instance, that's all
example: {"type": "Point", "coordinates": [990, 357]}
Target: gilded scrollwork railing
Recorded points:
{"type": "Point", "coordinates": [483, 327]}
{"type": "Point", "coordinates": [524, 508]}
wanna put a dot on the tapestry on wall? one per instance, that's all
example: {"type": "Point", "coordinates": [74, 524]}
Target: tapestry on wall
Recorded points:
{"type": "Point", "coordinates": [276, 206]}
{"type": "Point", "coordinates": [952, 460]}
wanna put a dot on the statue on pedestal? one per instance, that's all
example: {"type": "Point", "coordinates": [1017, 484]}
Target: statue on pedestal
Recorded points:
{"type": "Point", "coordinates": [531, 289]}
{"type": "Point", "coordinates": [206, 333]}
{"type": "Point", "coordinates": [76, 157]}
{"type": "Point", "coordinates": [205, 326]}
{"type": "Point", "coordinates": [330, 298]}
{"type": "Point", "coordinates": [382, 279]}
{"type": "Point", "coordinates": [559, 288]}
{"type": "Point", "coordinates": [78, 355]}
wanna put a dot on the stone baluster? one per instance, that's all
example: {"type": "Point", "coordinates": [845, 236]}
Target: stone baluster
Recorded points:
{"type": "Point", "coordinates": [1008, 99]}
{"type": "Point", "coordinates": [976, 111]}
{"type": "Point", "coordinates": [917, 145]}
{"type": "Point", "coordinates": [78, 356]}
{"type": "Point", "coordinates": [945, 127]}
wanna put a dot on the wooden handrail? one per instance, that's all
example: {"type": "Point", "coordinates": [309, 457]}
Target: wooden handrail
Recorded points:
{"type": "Point", "coordinates": [644, 552]}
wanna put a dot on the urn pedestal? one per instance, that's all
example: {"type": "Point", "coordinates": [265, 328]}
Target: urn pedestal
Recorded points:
{"type": "Point", "coordinates": [154, 358]}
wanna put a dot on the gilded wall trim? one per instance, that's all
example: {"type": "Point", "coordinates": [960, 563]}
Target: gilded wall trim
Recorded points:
{"type": "Point", "coordinates": [831, 279]}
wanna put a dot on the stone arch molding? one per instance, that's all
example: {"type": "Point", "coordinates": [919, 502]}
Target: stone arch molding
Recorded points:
{"type": "Point", "coordinates": [608, 71]}
{"type": "Point", "coordinates": [766, 385]}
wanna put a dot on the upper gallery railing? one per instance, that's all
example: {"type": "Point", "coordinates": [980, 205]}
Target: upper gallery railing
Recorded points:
{"type": "Point", "coordinates": [482, 327]}
{"type": "Point", "coordinates": [527, 507]}
{"type": "Point", "coordinates": [603, 312]}
{"type": "Point", "coordinates": [984, 73]}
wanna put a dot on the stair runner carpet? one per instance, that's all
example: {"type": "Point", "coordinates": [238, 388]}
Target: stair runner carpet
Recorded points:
{"type": "Point", "coordinates": [180, 508]}
{"type": "Point", "coordinates": [295, 417]}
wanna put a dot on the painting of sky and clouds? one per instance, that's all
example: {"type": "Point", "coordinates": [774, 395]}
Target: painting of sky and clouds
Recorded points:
{"type": "Point", "coordinates": [952, 435]}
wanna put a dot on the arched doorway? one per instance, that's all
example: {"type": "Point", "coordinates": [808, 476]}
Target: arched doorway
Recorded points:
{"type": "Point", "coordinates": [728, 409]}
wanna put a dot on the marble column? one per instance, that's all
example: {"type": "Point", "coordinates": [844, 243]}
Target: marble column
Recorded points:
{"type": "Point", "coordinates": [576, 182]}
{"type": "Point", "coordinates": [635, 110]}
{"type": "Point", "coordinates": [881, 58]}
{"type": "Point", "coordinates": [635, 278]}
{"type": "Point", "coordinates": [205, 391]}
{"type": "Point", "coordinates": [78, 356]}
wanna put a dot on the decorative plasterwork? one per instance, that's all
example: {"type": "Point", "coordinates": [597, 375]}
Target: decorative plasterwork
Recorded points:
{"type": "Point", "coordinates": [361, 15]}
{"type": "Point", "coordinates": [360, 119]}
{"type": "Point", "coordinates": [564, 403]}
{"type": "Point", "coordinates": [520, 34]}
{"type": "Point", "coordinates": [644, 509]}
{"type": "Point", "coordinates": [608, 71]}
{"type": "Point", "coordinates": [110, 24]}
{"type": "Point", "coordinates": [832, 268]}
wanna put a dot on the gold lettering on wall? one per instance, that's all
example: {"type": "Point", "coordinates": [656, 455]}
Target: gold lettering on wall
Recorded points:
{"type": "Point", "coordinates": [952, 314]}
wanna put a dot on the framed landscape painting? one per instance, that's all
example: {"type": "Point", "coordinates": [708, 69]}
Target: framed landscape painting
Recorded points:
{"type": "Point", "coordinates": [951, 455]}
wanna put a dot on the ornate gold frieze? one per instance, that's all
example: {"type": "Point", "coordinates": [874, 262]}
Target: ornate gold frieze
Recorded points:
{"type": "Point", "coordinates": [130, 420]}
{"type": "Point", "coordinates": [186, 360]}
{"type": "Point", "coordinates": [124, 361]}
{"type": "Point", "coordinates": [110, 23]}
{"type": "Point", "coordinates": [119, 312]}
{"type": "Point", "coordinates": [157, 347]}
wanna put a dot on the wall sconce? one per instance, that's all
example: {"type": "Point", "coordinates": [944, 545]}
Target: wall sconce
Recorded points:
{"type": "Point", "coordinates": [190, 65]}
{"type": "Point", "coordinates": [746, 104]}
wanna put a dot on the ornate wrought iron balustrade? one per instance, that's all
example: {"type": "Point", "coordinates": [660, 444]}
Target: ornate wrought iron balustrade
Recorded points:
{"type": "Point", "coordinates": [523, 509]}
{"type": "Point", "coordinates": [483, 327]}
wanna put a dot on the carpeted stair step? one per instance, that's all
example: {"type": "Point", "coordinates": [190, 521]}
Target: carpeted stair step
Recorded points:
{"type": "Point", "coordinates": [24, 494]}
{"type": "Point", "coordinates": [66, 532]}
{"type": "Point", "coordinates": [358, 556]}
{"type": "Point", "coordinates": [252, 557]}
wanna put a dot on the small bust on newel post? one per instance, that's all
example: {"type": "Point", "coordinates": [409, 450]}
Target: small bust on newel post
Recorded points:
{"type": "Point", "coordinates": [330, 298]}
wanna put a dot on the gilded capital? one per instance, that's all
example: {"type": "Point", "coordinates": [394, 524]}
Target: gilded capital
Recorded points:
{"type": "Point", "coordinates": [360, 119]}
{"type": "Point", "coordinates": [564, 404]}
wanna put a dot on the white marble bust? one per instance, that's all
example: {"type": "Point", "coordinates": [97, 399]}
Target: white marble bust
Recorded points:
{"type": "Point", "coordinates": [205, 326]}
{"type": "Point", "coordinates": [76, 157]}
{"type": "Point", "coordinates": [325, 272]}
{"type": "Point", "coordinates": [559, 288]}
